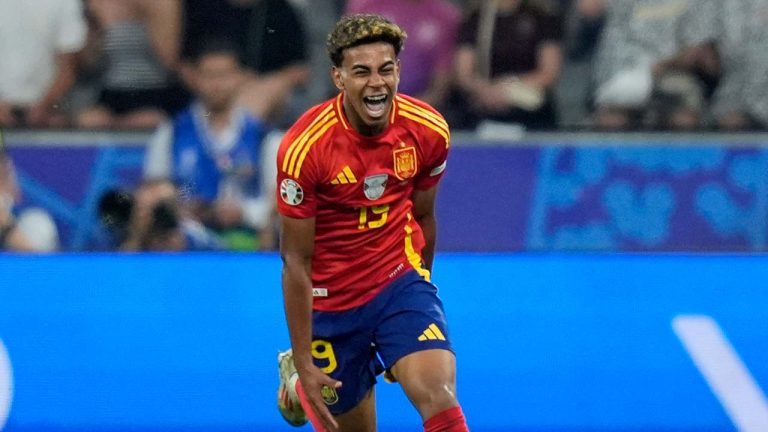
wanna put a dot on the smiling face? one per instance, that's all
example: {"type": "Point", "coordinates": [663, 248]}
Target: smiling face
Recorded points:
{"type": "Point", "coordinates": [368, 76]}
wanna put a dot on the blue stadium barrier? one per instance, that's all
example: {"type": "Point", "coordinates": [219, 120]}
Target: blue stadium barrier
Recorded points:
{"type": "Point", "coordinates": [583, 342]}
{"type": "Point", "coordinates": [549, 192]}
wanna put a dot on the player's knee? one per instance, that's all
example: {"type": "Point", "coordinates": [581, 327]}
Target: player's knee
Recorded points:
{"type": "Point", "coordinates": [432, 396]}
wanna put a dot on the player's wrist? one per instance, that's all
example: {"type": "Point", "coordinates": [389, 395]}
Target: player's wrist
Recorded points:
{"type": "Point", "coordinates": [303, 363]}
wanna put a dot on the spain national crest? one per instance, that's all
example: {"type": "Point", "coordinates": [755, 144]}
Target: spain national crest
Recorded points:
{"type": "Point", "coordinates": [405, 163]}
{"type": "Point", "coordinates": [329, 395]}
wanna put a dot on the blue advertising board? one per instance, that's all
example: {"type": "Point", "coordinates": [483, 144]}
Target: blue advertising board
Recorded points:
{"type": "Point", "coordinates": [545, 342]}
{"type": "Point", "coordinates": [552, 194]}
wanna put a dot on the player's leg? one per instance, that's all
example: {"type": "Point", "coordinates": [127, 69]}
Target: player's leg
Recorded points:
{"type": "Point", "coordinates": [429, 380]}
{"type": "Point", "coordinates": [413, 341]}
{"type": "Point", "coordinates": [342, 349]}
{"type": "Point", "coordinates": [361, 418]}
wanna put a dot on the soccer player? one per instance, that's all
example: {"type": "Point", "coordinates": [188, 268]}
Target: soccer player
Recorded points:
{"type": "Point", "coordinates": [357, 180]}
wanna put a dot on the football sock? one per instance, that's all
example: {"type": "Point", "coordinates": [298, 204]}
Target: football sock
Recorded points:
{"type": "Point", "coordinates": [317, 425]}
{"type": "Point", "coordinates": [450, 420]}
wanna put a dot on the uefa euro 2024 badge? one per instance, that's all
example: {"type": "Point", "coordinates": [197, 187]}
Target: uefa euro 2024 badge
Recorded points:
{"type": "Point", "coordinates": [291, 192]}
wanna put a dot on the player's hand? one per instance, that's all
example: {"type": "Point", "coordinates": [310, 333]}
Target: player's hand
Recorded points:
{"type": "Point", "coordinates": [313, 380]}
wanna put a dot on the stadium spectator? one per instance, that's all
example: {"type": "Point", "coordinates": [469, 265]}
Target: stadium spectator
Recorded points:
{"type": "Point", "coordinates": [34, 229]}
{"type": "Point", "coordinates": [741, 100]}
{"type": "Point", "coordinates": [432, 27]}
{"type": "Point", "coordinates": [38, 43]}
{"type": "Point", "coordinates": [139, 41]}
{"type": "Point", "coordinates": [317, 16]}
{"type": "Point", "coordinates": [113, 220]}
{"type": "Point", "coordinates": [507, 62]}
{"type": "Point", "coordinates": [270, 37]}
{"type": "Point", "coordinates": [11, 237]}
{"type": "Point", "coordinates": [653, 62]}
{"type": "Point", "coordinates": [159, 223]}
{"type": "Point", "coordinates": [218, 153]}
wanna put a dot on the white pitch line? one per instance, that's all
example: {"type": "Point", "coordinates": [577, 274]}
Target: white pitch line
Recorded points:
{"type": "Point", "coordinates": [724, 371]}
{"type": "Point", "coordinates": [6, 385]}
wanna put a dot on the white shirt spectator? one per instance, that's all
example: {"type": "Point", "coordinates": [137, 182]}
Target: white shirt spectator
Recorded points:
{"type": "Point", "coordinates": [32, 33]}
{"type": "Point", "coordinates": [742, 40]}
{"type": "Point", "coordinates": [640, 33]}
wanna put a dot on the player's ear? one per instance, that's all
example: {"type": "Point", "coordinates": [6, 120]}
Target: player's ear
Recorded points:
{"type": "Point", "coordinates": [336, 77]}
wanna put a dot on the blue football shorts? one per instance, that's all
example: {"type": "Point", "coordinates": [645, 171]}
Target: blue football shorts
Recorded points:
{"type": "Point", "coordinates": [356, 345]}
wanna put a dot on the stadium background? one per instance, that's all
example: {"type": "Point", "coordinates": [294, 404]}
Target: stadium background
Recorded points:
{"type": "Point", "coordinates": [593, 283]}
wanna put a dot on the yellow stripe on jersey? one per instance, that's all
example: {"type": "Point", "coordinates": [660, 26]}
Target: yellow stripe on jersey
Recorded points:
{"type": "Point", "coordinates": [437, 331]}
{"type": "Point", "coordinates": [410, 106]}
{"type": "Point", "coordinates": [428, 124]}
{"type": "Point", "coordinates": [410, 253]}
{"type": "Point", "coordinates": [394, 109]}
{"type": "Point", "coordinates": [300, 143]}
{"type": "Point", "coordinates": [339, 108]}
{"type": "Point", "coordinates": [289, 155]}
{"type": "Point", "coordinates": [350, 175]}
{"type": "Point", "coordinates": [309, 144]}
{"type": "Point", "coordinates": [433, 121]}
{"type": "Point", "coordinates": [307, 140]}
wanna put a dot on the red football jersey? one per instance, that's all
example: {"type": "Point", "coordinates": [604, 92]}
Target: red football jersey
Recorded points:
{"type": "Point", "coordinates": [359, 190]}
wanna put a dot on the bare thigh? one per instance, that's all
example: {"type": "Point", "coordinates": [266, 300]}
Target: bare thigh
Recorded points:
{"type": "Point", "coordinates": [361, 418]}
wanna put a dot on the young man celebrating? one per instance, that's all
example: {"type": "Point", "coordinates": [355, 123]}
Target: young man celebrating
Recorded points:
{"type": "Point", "coordinates": [357, 180]}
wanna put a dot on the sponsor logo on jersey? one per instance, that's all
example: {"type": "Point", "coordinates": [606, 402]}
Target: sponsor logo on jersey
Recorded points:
{"type": "Point", "coordinates": [432, 333]}
{"type": "Point", "coordinates": [319, 292]}
{"type": "Point", "coordinates": [346, 176]}
{"type": "Point", "coordinates": [374, 185]}
{"type": "Point", "coordinates": [405, 162]}
{"type": "Point", "coordinates": [291, 192]}
{"type": "Point", "coordinates": [329, 395]}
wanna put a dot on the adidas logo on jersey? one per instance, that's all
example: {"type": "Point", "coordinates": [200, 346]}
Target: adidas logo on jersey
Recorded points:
{"type": "Point", "coordinates": [432, 333]}
{"type": "Point", "coordinates": [346, 176]}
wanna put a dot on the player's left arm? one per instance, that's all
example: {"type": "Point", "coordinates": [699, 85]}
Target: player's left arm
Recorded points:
{"type": "Point", "coordinates": [436, 139]}
{"type": "Point", "coordinates": [424, 212]}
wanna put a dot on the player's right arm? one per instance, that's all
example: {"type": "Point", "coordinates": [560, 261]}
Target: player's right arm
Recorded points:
{"type": "Point", "coordinates": [296, 252]}
{"type": "Point", "coordinates": [296, 248]}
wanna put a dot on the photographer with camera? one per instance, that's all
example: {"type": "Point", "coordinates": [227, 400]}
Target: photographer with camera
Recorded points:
{"type": "Point", "coordinates": [157, 223]}
{"type": "Point", "coordinates": [34, 229]}
{"type": "Point", "coordinates": [11, 237]}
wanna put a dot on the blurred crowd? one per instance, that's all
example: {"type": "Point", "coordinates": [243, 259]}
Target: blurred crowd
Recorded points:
{"type": "Point", "coordinates": [542, 64]}
{"type": "Point", "coordinates": [218, 79]}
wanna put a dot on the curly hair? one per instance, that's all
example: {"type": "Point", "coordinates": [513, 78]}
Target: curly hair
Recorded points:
{"type": "Point", "coordinates": [360, 29]}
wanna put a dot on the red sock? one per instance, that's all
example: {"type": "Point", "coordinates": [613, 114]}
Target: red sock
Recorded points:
{"type": "Point", "coordinates": [313, 418]}
{"type": "Point", "coordinates": [450, 420]}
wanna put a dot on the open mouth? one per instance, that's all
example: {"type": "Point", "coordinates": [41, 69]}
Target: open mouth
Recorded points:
{"type": "Point", "coordinates": [375, 105]}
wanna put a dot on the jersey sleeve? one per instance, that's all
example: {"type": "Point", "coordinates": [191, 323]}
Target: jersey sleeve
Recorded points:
{"type": "Point", "coordinates": [296, 188]}
{"type": "Point", "coordinates": [435, 154]}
